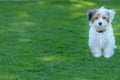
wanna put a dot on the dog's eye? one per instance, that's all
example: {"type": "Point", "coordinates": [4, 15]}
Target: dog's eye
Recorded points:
{"type": "Point", "coordinates": [96, 17]}
{"type": "Point", "coordinates": [104, 17]}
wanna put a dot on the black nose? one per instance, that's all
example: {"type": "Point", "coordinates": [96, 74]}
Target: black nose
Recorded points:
{"type": "Point", "coordinates": [100, 23]}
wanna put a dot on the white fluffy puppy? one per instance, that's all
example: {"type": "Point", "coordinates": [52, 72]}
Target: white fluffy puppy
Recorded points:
{"type": "Point", "coordinates": [101, 38]}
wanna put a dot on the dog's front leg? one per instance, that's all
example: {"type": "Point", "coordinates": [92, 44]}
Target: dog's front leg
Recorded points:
{"type": "Point", "coordinates": [97, 52]}
{"type": "Point", "coordinates": [108, 51]}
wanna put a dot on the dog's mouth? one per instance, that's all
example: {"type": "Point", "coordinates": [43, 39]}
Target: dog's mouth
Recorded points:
{"type": "Point", "coordinates": [101, 31]}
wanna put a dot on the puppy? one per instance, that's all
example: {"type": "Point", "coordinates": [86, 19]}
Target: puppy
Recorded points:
{"type": "Point", "coordinates": [101, 38]}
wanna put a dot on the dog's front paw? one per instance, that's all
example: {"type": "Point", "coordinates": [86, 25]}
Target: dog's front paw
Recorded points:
{"type": "Point", "coordinates": [108, 55]}
{"type": "Point", "coordinates": [97, 55]}
{"type": "Point", "coordinates": [109, 52]}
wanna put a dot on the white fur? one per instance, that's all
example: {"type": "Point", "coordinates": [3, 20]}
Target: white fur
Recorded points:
{"type": "Point", "coordinates": [102, 43]}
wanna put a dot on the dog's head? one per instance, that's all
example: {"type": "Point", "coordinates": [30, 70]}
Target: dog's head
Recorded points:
{"type": "Point", "coordinates": [100, 18]}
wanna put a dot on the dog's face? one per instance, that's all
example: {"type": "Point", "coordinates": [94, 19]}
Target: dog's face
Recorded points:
{"type": "Point", "coordinates": [100, 18]}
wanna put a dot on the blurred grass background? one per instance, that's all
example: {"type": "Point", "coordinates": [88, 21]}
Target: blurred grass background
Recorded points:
{"type": "Point", "coordinates": [48, 40]}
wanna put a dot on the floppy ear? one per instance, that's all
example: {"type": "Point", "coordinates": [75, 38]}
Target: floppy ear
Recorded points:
{"type": "Point", "coordinates": [90, 14]}
{"type": "Point", "coordinates": [111, 14]}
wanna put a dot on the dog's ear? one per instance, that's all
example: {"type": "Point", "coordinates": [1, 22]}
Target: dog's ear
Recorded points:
{"type": "Point", "coordinates": [90, 14]}
{"type": "Point", "coordinates": [111, 14]}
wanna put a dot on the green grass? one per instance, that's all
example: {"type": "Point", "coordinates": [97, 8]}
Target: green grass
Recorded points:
{"type": "Point", "coordinates": [48, 40]}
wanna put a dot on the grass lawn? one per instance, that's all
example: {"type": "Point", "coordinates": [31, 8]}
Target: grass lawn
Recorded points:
{"type": "Point", "coordinates": [48, 40]}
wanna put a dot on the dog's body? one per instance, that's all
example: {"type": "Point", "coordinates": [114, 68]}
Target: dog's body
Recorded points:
{"type": "Point", "coordinates": [101, 38]}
